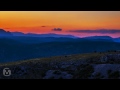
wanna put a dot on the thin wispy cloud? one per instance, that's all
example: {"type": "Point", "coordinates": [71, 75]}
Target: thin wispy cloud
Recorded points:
{"type": "Point", "coordinates": [105, 31]}
{"type": "Point", "coordinates": [7, 28]}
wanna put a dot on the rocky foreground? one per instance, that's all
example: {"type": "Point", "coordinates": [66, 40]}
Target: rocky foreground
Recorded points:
{"type": "Point", "coordinates": [104, 65]}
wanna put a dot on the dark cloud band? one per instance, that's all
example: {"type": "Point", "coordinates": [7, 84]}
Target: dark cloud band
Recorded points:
{"type": "Point", "coordinates": [57, 29]}
{"type": "Point", "coordinates": [43, 26]}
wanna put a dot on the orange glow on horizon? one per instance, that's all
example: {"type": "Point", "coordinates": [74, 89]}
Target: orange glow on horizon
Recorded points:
{"type": "Point", "coordinates": [32, 21]}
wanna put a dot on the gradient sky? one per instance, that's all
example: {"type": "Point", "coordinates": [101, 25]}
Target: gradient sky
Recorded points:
{"type": "Point", "coordinates": [45, 21]}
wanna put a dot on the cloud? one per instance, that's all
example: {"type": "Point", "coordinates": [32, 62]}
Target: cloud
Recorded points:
{"type": "Point", "coordinates": [57, 29]}
{"type": "Point", "coordinates": [101, 31]}
{"type": "Point", "coordinates": [43, 26]}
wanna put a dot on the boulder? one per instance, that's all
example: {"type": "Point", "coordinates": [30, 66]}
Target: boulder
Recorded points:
{"type": "Point", "coordinates": [57, 74]}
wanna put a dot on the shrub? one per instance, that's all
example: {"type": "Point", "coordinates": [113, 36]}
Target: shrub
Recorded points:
{"type": "Point", "coordinates": [108, 51]}
{"type": "Point", "coordinates": [98, 76]}
{"type": "Point", "coordinates": [109, 71]}
{"type": "Point", "coordinates": [65, 56]}
{"type": "Point", "coordinates": [84, 72]}
{"type": "Point", "coordinates": [95, 51]}
{"type": "Point", "coordinates": [57, 72]}
{"type": "Point", "coordinates": [114, 75]}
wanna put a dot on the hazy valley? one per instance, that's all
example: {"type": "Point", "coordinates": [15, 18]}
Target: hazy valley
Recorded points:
{"type": "Point", "coordinates": [19, 46]}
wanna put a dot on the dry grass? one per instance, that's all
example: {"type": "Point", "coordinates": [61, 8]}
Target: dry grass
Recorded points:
{"type": "Point", "coordinates": [58, 59]}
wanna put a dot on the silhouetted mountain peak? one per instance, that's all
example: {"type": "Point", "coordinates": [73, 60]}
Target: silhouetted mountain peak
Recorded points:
{"type": "Point", "coordinates": [5, 33]}
{"type": "Point", "coordinates": [2, 30]}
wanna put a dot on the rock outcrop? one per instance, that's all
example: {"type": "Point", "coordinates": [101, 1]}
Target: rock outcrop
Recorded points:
{"type": "Point", "coordinates": [110, 57]}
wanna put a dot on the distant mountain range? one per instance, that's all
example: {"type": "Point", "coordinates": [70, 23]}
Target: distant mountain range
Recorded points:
{"type": "Point", "coordinates": [54, 37]}
{"type": "Point", "coordinates": [7, 33]}
{"type": "Point", "coordinates": [41, 35]}
{"type": "Point", "coordinates": [103, 38]}
{"type": "Point", "coordinates": [99, 37]}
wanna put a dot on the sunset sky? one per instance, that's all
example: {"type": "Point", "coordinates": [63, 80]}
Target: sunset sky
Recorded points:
{"type": "Point", "coordinates": [46, 22]}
